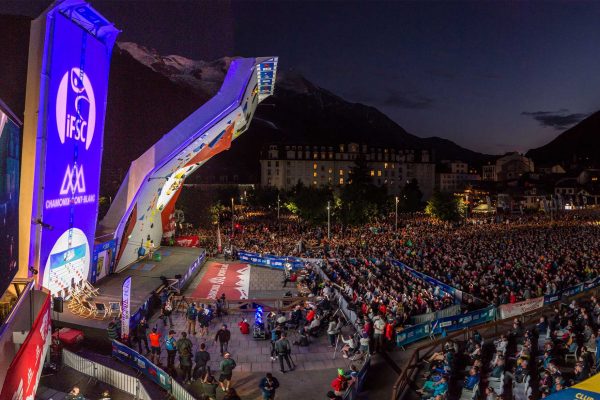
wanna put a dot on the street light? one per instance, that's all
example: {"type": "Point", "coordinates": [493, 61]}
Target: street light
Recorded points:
{"type": "Point", "coordinates": [328, 220]}
{"type": "Point", "coordinates": [396, 228]}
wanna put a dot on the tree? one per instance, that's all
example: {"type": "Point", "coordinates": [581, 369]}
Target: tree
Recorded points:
{"type": "Point", "coordinates": [308, 202]}
{"type": "Point", "coordinates": [361, 200]}
{"type": "Point", "coordinates": [410, 197]}
{"type": "Point", "coordinates": [445, 207]}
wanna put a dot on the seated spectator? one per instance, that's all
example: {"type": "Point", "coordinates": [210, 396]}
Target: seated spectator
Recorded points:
{"type": "Point", "coordinates": [472, 379]}
{"type": "Point", "coordinates": [244, 327]}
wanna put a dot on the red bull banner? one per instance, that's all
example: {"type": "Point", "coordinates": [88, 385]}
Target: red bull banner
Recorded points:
{"type": "Point", "coordinates": [23, 376]}
{"type": "Point", "coordinates": [187, 241]}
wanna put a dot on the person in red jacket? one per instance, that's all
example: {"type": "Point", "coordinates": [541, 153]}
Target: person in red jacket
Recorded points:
{"type": "Point", "coordinates": [310, 315]}
{"type": "Point", "coordinates": [389, 333]}
{"type": "Point", "coordinates": [340, 383]}
{"type": "Point", "coordinates": [244, 327]}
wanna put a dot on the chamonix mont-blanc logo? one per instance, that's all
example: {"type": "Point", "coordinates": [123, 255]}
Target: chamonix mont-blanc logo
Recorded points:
{"type": "Point", "coordinates": [76, 108]}
{"type": "Point", "coordinates": [73, 181]}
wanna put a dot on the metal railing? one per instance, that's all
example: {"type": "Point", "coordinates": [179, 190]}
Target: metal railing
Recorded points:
{"type": "Point", "coordinates": [117, 379]}
{"type": "Point", "coordinates": [421, 352]}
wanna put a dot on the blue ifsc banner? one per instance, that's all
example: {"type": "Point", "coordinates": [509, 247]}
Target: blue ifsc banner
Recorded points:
{"type": "Point", "coordinates": [78, 65]}
{"type": "Point", "coordinates": [271, 261]}
{"type": "Point", "coordinates": [140, 363]}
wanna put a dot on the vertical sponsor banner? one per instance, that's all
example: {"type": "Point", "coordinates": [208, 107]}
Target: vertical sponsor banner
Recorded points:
{"type": "Point", "coordinates": [70, 136]}
{"type": "Point", "coordinates": [104, 255]}
{"type": "Point", "coordinates": [126, 308]}
{"type": "Point", "coordinates": [23, 375]}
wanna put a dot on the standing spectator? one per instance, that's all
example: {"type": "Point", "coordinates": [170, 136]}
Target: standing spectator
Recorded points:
{"type": "Point", "coordinates": [113, 330]}
{"type": "Point", "coordinates": [378, 328]}
{"type": "Point", "coordinates": [191, 316]}
{"type": "Point", "coordinates": [209, 386]}
{"type": "Point", "coordinates": [201, 358]}
{"type": "Point", "coordinates": [166, 311]}
{"type": "Point", "coordinates": [340, 383]}
{"type": "Point", "coordinates": [154, 337]}
{"type": "Point", "coordinates": [184, 348]}
{"type": "Point", "coordinates": [283, 349]}
{"type": "Point", "coordinates": [231, 395]}
{"type": "Point", "coordinates": [142, 335]}
{"type": "Point", "coordinates": [226, 368]}
{"type": "Point", "coordinates": [203, 321]}
{"type": "Point", "coordinates": [171, 346]}
{"type": "Point", "coordinates": [275, 334]}
{"type": "Point", "coordinates": [268, 385]}
{"type": "Point", "coordinates": [332, 331]}
{"type": "Point", "coordinates": [223, 336]}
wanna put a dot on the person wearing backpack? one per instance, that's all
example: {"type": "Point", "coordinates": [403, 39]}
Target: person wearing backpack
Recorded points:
{"type": "Point", "coordinates": [171, 346]}
{"type": "Point", "coordinates": [191, 315]}
{"type": "Point", "coordinates": [268, 385]}
{"type": "Point", "coordinates": [184, 348]}
{"type": "Point", "coordinates": [226, 368]}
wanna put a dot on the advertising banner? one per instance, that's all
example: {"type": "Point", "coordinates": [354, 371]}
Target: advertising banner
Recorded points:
{"type": "Point", "coordinates": [70, 150]}
{"type": "Point", "coordinates": [10, 161]}
{"type": "Point", "coordinates": [104, 256]}
{"type": "Point", "coordinates": [25, 369]}
{"type": "Point", "coordinates": [271, 261]}
{"type": "Point", "coordinates": [233, 280]}
{"type": "Point", "coordinates": [192, 270]}
{"type": "Point", "coordinates": [126, 308]}
{"type": "Point", "coordinates": [522, 307]}
{"type": "Point", "coordinates": [187, 241]}
{"type": "Point", "coordinates": [413, 334]}
{"type": "Point", "coordinates": [142, 364]}
{"type": "Point", "coordinates": [457, 322]}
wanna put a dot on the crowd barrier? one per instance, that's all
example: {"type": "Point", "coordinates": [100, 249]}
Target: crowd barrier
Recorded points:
{"type": "Point", "coordinates": [144, 366]}
{"type": "Point", "coordinates": [432, 316]}
{"type": "Point", "coordinates": [117, 379]}
{"type": "Point", "coordinates": [153, 301]}
{"type": "Point", "coordinates": [268, 260]}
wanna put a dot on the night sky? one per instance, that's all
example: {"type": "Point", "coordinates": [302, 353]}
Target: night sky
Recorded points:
{"type": "Point", "coordinates": [493, 76]}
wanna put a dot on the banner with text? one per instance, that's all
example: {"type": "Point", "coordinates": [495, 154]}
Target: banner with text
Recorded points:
{"type": "Point", "coordinates": [70, 142]}
{"type": "Point", "coordinates": [126, 308]}
{"type": "Point", "coordinates": [271, 261]}
{"type": "Point", "coordinates": [23, 376]}
{"type": "Point", "coordinates": [522, 307]}
{"type": "Point", "coordinates": [142, 364]}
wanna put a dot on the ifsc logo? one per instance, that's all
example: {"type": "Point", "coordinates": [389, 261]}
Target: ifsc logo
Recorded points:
{"type": "Point", "coordinates": [73, 181]}
{"type": "Point", "coordinates": [76, 108]}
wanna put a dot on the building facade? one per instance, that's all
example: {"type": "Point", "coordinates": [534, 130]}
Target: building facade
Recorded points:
{"type": "Point", "coordinates": [283, 166]}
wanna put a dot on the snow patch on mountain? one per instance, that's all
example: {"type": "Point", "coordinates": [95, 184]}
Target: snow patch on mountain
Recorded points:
{"type": "Point", "coordinates": [203, 77]}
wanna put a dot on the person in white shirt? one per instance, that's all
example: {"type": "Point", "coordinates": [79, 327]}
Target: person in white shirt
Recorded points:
{"type": "Point", "coordinates": [349, 346]}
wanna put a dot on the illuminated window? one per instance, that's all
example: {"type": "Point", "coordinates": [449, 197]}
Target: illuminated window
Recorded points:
{"type": "Point", "coordinates": [341, 172]}
{"type": "Point", "coordinates": [315, 183]}
{"type": "Point", "coordinates": [379, 173]}
{"type": "Point", "coordinates": [330, 170]}
{"type": "Point", "coordinates": [315, 166]}
{"type": "Point", "coordinates": [372, 173]}
{"type": "Point", "coordinates": [385, 165]}
{"type": "Point", "coordinates": [315, 174]}
{"type": "Point", "coordinates": [341, 181]}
